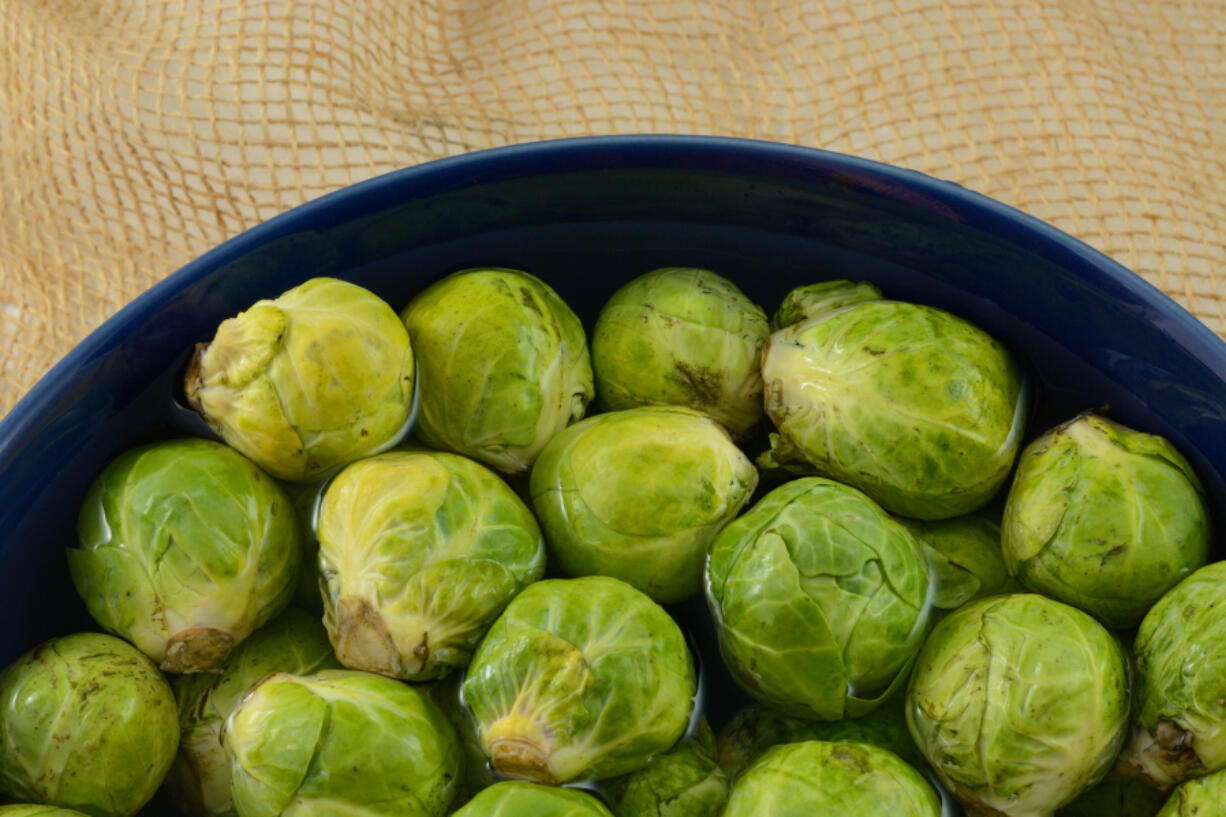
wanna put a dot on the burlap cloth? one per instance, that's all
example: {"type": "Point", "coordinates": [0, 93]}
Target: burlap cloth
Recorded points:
{"type": "Point", "coordinates": [136, 134]}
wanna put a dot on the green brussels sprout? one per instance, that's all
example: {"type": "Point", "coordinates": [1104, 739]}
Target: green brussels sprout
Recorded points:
{"type": "Point", "coordinates": [580, 679]}
{"type": "Point", "coordinates": [88, 723]}
{"type": "Point", "coordinates": [504, 365]}
{"type": "Point", "coordinates": [185, 549]}
{"type": "Point", "coordinates": [420, 551]}
{"type": "Point", "coordinates": [199, 780]}
{"type": "Point", "coordinates": [340, 741]}
{"type": "Point", "coordinates": [1179, 728]}
{"type": "Point", "coordinates": [684, 337]}
{"type": "Point", "coordinates": [1204, 797]}
{"type": "Point", "coordinates": [754, 729]}
{"type": "Point", "coordinates": [1020, 703]}
{"type": "Point", "coordinates": [34, 810]}
{"type": "Point", "coordinates": [308, 382]}
{"type": "Point", "coordinates": [918, 408]}
{"type": "Point", "coordinates": [804, 302]}
{"type": "Point", "coordinates": [639, 495]}
{"type": "Point", "coordinates": [516, 798]}
{"type": "Point", "coordinates": [1104, 518]}
{"type": "Point", "coordinates": [1116, 796]}
{"type": "Point", "coordinates": [965, 559]}
{"type": "Point", "coordinates": [685, 781]}
{"type": "Point", "coordinates": [819, 599]}
{"type": "Point", "coordinates": [820, 777]}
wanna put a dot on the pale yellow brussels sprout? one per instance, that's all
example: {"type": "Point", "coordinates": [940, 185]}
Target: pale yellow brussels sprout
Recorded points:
{"type": "Point", "coordinates": [503, 362]}
{"type": "Point", "coordinates": [307, 382]}
{"type": "Point", "coordinates": [419, 552]}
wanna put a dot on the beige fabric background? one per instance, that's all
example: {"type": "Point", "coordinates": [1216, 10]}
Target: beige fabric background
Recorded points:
{"type": "Point", "coordinates": [136, 134]}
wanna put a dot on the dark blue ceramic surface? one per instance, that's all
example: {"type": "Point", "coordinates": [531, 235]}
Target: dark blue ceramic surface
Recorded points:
{"type": "Point", "coordinates": [586, 215]}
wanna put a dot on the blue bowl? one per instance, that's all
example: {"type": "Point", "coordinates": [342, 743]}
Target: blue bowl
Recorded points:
{"type": "Point", "coordinates": [587, 215]}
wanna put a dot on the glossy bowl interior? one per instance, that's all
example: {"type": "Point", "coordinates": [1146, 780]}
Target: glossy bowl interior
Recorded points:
{"type": "Point", "coordinates": [587, 215]}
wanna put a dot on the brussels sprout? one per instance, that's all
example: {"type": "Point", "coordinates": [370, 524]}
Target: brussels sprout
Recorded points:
{"type": "Point", "coordinates": [185, 548]}
{"type": "Point", "coordinates": [516, 798]}
{"type": "Point", "coordinates": [684, 337]}
{"type": "Point", "coordinates": [1104, 518]}
{"type": "Point", "coordinates": [685, 781]}
{"type": "Point", "coordinates": [88, 723]}
{"type": "Point", "coordinates": [1116, 796]}
{"type": "Point", "coordinates": [818, 777]}
{"type": "Point", "coordinates": [340, 741]}
{"type": "Point", "coordinates": [1020, 703]}
{"type": "Point", "coordinates": [754, 729]}
{"type": "Point", "coordinates": [310, 381]}
{"type": "Point", "coordinates": [965, 559]}
{"type": "Point", "coordinates": [33, 810]}
{"type": "Point", "coordinates": [1179, 728]}
{"type": "Point", "coordinates": [917, 408]}
{"type": "Point", "coordinates": [819, 599]}
{"type": "Point", "coordinates": [1205, 797]}
{"type": "Point", "coordinates": [294, 642]}
{"type": "Point", "coordinates": [580, 678]}
{"type": "Point", "coordinates": [805, 302]}
{"type": "Point", "coordinates": [504, 365]}
{"type": "Point", "coordinates": [639, 495]}
{"type": "Point", "coordinates": [420, 551]}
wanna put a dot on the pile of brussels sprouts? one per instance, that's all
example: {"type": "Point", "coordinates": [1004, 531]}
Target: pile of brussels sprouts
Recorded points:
{"type": "Point", "coordinates": [326, 616]}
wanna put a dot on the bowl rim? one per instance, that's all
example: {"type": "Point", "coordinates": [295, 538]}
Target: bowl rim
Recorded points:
{"type": "Point", "coordinates": [625, 152]}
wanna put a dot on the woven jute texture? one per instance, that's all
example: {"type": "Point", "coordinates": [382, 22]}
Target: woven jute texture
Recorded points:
{"type": "Point", "coordinates": [136, 134]}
